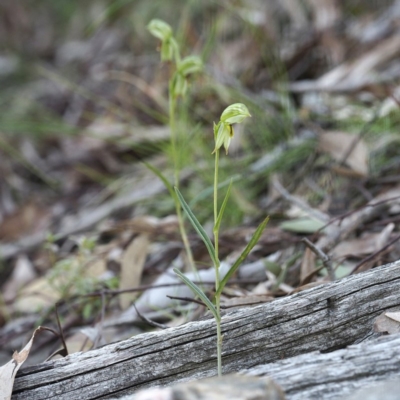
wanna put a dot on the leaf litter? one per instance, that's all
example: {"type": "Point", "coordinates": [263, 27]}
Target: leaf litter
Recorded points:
{"type": "Point", "coordinates": [325, 126]}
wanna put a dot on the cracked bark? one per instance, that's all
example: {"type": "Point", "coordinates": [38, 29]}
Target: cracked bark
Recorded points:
{"type": "Point", "coordinates": [324, 318]}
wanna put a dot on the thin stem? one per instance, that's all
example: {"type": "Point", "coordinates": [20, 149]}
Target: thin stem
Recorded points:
{"type": "Point", "coordinates": [219, 336]}
{"type": "Point", "coordinates": [175, 155]}
{"type": "Point", "coordinates": [174, 139]}
{"type": "Point", "coordinates": [216, 212]}
{"type": "Point", "coordinates": [217, 278]}
{"type": "Point", "coordinates": [184, 236]}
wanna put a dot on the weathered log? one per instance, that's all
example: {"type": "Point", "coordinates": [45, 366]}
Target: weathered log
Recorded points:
{"type": "Point", "coordinates": [227, 387]}
{"type": "Point", "coordinates": [324, 318]}
{"type": "Point", "coordinates": [337, 374]}
{"type": "Point", "coordinates": [328, 376]}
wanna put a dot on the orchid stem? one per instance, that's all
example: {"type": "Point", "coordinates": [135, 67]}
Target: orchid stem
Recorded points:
{"type": "Point", "coordinates": [174, 142]}
{"type": "Point", "coordinates": [217, 265]}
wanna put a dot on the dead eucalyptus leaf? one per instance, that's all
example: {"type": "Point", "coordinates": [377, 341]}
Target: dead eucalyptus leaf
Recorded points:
{"type": "Point", "coordinates": [394, 315]}
{"type": "Point", "coordinates": [338, 144]}
{"type": "Point", "coordinates": [308, 269]}
{"type": "Point", "coordinates": [132, 265]}
{"type": "Point", "coordinates": [386, 324]}
{"type": "Point", "coordinates": [9, 370]}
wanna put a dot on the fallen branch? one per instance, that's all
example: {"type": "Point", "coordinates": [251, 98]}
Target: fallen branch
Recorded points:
{"type": "Point", "coordinates": [330, 376]}
{"type": "Point", "coordinates": [323, 318]}
{"type": "Point", "coordinates": [337, 374]}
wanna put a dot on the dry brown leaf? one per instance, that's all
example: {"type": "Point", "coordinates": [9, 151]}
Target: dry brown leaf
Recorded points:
{"type": "Point", "coordinates": [307, 265]}
{"type": "Point", "coordinates": [338, 144]}
{"type": "Point", "coordinates": [383, 239]}
{"type": "Point", "coordinates": [353, 75]}
{"type": "Point", "coordinates": [9, 370]}
{"type": "Point", "coordinates": [40, 293]}
{"type": "Point", "coordinates": [394, 315]}
{"type": "Point", "coordinates": [79, 341]}
{"type": "Point", "coordinates": [132, 265]}
{"type": "Point", "coordinates": [385, 323]}
{"type": "Point", "coordinates": [368, 244]}
{"type": "Point", "coordinates": [23, 272]}
{"type": "Point", "coordinates": [36, 295]}
{"type": "Point", "coordinates": [393, 196]}
{"type": "Point", "coordinates": [96, 268]}
{"type": "Point", "coordinates": [384, 235]}
{"type": "Point", "coordinates": [28, 219]}
{"type": "Point", "coordinates": [149, 224]}
{"type": "Point", "coordinates": [359, 247]}
{"type": "Point", "coordinates": [261, 289]}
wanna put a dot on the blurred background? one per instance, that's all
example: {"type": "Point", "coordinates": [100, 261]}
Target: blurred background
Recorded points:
{"type": "Point", "coordinates": [84, 102]}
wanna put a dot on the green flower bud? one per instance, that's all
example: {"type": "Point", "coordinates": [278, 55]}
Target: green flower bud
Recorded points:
{"type": "Point", "coordinates": [235, 114]}
{"type": "Point", "coordinates": [167, 50]}
{"type": "Point", "coordinates": [187, 66]}
{"type": "Point", "coordinates": [190, 65]}
{"type": "Point", "coordinates": [223, 134]}
{"type": "Point", "coordinates": [160, 29]}
{"type": "Point", "coordinates": [223, 131]}
{"type": "Point", "coordinates": [178, 85]}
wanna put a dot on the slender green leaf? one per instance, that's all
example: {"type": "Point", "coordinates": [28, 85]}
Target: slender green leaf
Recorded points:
{"type": "Point", "coordinates": [207, 192]}
{"type": "Point", "coordinates": [165, 181]}
{"type": "Point", "coordinates": [222, 209]}
{"type": "Point", "coordinates": [196, 225]}
{"type": "Point", "coordinates": [303, 225]}
{"type": "Point", "coordinates": [256, 236]}
{"type": "Point", "coordinates": [198, 292]}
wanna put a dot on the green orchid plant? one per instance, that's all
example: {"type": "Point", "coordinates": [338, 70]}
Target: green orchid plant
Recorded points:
{"type": "Point", "coordinates": [223, 133]}
{"type": "Point", "coordinates": [177, 88]}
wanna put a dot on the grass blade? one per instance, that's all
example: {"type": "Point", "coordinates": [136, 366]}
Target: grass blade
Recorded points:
{"type": "Point", "coordinates": [198, 292]}
{"type": "Point", "coordinates": [246, 251]}
{"type": "Point", "coordinates": [196, 225]}
{"type": "Point", "coordinates": [222, 209]}
{"type": "Point", "coordinates": [160, 175]}
{"type": "Point", "coordinates": [208, 191]}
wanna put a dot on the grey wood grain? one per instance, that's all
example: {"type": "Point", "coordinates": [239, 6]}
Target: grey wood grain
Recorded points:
{"type": "Point", "coordinates": [373, 366]}
{"type": "Point", "coordinates": [323, 318]}
{"type": "Point", "coordinates": [227, 387]}
{"type": "Point", "coordinates": [335, 375]}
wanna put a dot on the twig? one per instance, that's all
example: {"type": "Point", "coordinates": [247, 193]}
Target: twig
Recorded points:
{"type": "Point", "coordinates": [373, 255]}
{"type": "Point", "coordinates": [187, 299]}
{"type": "Point", "coordinates": [102, 315]}
{"type": "Point", "coordinates": [149, 321]}
{"type": "Point", "coordinates": [347, 214]}
{"type": "Point", "coordinates": [61, 333]}
{"type": "Point", "coordinates": [323, 256]}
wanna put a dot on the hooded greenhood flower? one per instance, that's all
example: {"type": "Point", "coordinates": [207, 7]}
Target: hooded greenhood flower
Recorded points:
{"type": "Point", "coordinates": [235, 114]}
{"type": "Point", "coordinates": [223, 131]}
{"type": "Point", "coordinates": [161, 30]}
{"type": "Point", "coordinates": [189, 65]}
